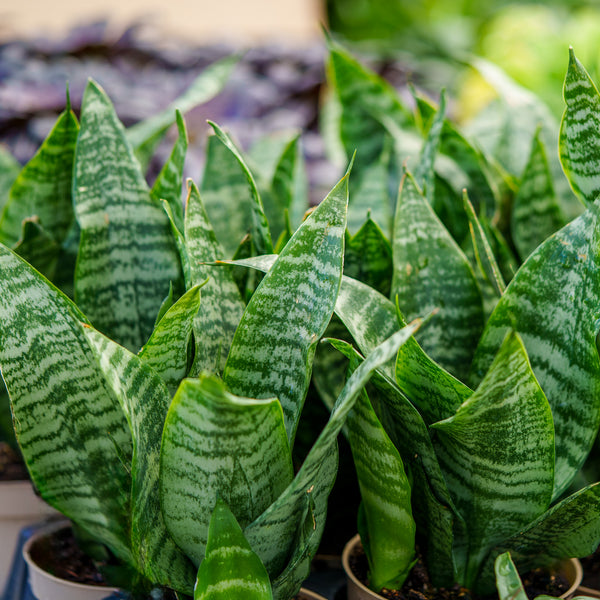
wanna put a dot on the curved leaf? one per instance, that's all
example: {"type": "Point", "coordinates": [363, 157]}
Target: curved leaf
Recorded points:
{"type": "Point", "coordinates": [508, 582]}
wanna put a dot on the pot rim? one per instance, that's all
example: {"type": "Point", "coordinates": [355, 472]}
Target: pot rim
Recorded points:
{"type": "Point", "coordinates": [31, 564]}
{"type": "Point", "coordinates": [574, 566]}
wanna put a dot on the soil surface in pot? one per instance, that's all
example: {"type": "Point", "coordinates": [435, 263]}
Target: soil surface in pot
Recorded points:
{"type": "Point", "coordinates": [418, 585]}
{"type": "Point", "coordinates": [12, 467]}
{"type": "Point", "coordinates": [591, 570]}
{"type": "Point", "coordinates": [59, 555]}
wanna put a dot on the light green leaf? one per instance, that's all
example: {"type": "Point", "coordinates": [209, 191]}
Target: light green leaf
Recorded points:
{"type": "Point", "coordinates": [71, 427]}
{"type": "Point", "coordinates": [508, 582]}
{"type": "Point", "coordinates": [536, 212]}
{"type": "Point", "coordinates": [222, 306]}
{"type": "Point", "coordinates": [230, 569]}
{"type": "Point", "coordinates": [43, 187]}
{"type": "Point", "coordinates": [167, 350]}
{"type": "Point", "coordinates": [552, 302]}
{"type": "Point", "coordinates": [261, 235]}
{"type": "Point", "coordinates": [9, 171]}
{"type": "Point", "coordinates": [226, 446]}
{"type": "Point", "coordinates": [170, 179]}
{"type": "Point", "coordinates": [430, 269]}
{"type": "Point", "coordinates": [274, 345]}
{"type": "Point", "coordinates": [145, 401]}
{"type": "Point", "coordinates": [127, 256]}
{"type": "Point", "coordinates": [497, 454]}
{"type": "Point", "coordinates": [579, 145]}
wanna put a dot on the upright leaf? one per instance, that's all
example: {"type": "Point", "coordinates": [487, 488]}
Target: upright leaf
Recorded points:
{"type": "Point", "coordinates": [508, 582]}
{"type": "Point", "coordinates": [127, 255]}
{"type": "Point", "coordinates": [43, 187]}
{"type": "Point", "coordinates": [71, 428]}
{"type": "Point", "coordinates": [9, 171]}
{"type": "Point", "coordinates": [552, 304]}
{"type": "Point", "coordinates": [226, 446]}
{"type": "Point", "coordinates": [38, 248]}
{"type": "Point", "coordinates": [230, 569]}
{"type": "Point", "coordinates": [430, 271]}
{"type": "Point", "coordinates": [497, 453]}
{"type": "Point", "coordinates": [274, 345]}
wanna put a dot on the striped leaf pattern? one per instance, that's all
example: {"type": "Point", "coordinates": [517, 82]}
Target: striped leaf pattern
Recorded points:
{"type": "Point", "coordinates": [71, 428]}
{"type": "Point", "coordinates": [272, 534]}
{"type": "Point", "coordinates": [38, 248]}
{"type": "Point", "coordinates": [9, 171]}
{"type": "Point", "coordinates": [167, 350]}
{"type": "Point", "coordinates": [145, 401]}
{"type": "Point", "coordinates": [261, 235]}
{"type": "Point", "coordinates": [552, 303]}
{"type": "Point", "coordinates": [497, 454]}
{"type": "Point", "coordinates": [430, 271]}
{"type": "Point", "coordinates": [368, 257]}
{"type": "Point", "coordinates": [43, 187]}
{"type": "Point", "coordinates": [214, 445]}
{"type": "Point", "coordinates": [231, 569]}
{"type": "Point", "coordinates": [579, 145]}
{"type": "Point", "coordinates": [221, 306]}
{"type": "Point", "coordinates": [536, 213]}
{"type": "Point", "coordinates": [127, 255]}
{"type": "Point", "coordinates": [274, 345]}
{"type": "Point", "coordinates": [169, 182]}
{"type": "Point", "coordinates": [389, 538]}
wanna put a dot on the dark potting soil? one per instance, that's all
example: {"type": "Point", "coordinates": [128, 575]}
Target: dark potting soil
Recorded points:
{"type": "Point", "coordinates": [419, 587]}
{"type": "Point", "coordinates": [12, 467]}
{"type": "Point", "coordinates": [59, 555]}
{"type": "Point", "coordinates": [591, 570]}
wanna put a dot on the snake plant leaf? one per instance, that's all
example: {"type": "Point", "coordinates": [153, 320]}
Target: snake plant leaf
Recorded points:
{"type": "Point", "coordinates": [9, 171]}
{"type": "Point", "coordinates": [368, 257]}
{"type": "Point", "coordinates": [497, 453]}
{"type": "Point", "coordinates": [430, 268]}
{"type": "Point", "coordinates": [552, 303]}
{"type": "Point", "coordinates": [181, 246]}
{"type": "Point", "coordinates": [145, 400]}
{"type": "Point", "coordinates": [222, 306]}
{"type": "Point", "coordinates": [145, 135]}
{"type": "Point", "coordinates": [536, 212]}
{"type": "Point", "coordinates": [230, 569]}
{"type": "Point", "coordinates": [505, 258]}
{"type": "Point", "coordinates": [483, 251]}
{"type": "Point", "coordinates": [214, 445]}
{"type": "Point", "coordinates": [259, 224]}
{"type": "Point", "coordinates": [167, 349]}
{"type": "Point", "coordinates": [389, 535]}
{"type": "Point", "coordinates": [43, 187]}
{"type": "Point", "coordinates": [127, 256]}
{"type": "Point", "coordinates": [169, 182]}
{"type": "Point", "coordinates": [38, 248]}
{"type": "Point", "coordinates": [578, 142]}
{"type": "Point", "coordinates": [272, 534]}
{"type": "Point", "coordinates": [7, 430]}
{"type": "Point", "coordinates": [62, 418]}
{"type": "Point", "coordinates": [508, 582]}
{"type": "Point", "coordinates": [273, 348]}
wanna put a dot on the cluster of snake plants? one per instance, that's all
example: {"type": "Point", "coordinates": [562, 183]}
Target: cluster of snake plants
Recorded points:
{"type": "Point", "coordinates": [493, 408]}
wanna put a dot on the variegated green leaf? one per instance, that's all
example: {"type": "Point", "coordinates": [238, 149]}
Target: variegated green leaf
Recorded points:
{"type": "Point", "coordinates": [222, 306]}
{"type": "Point", "coordinates": [169, 182]}
{"type": "Point", "coordinates": [272, 534]}
{"type": "Point", "coordinates": [497, 454]}
{"type": "Point", "coordinates": [552, 303]}
{"type": "Point", "coordinates": [71, 428]}
{"type": "Point", "coordinates": [43, 188]}
{"type": "Point", "coordinates": [206, 86]}
{"type": "Point", "coordinates": [274, 345]}
{"type": "Point", "coordinates": [167, 350]}
{"type": "Point", "coordinates": [505, 258]}
{"type": "Point", "coordinates": [230, 569]}
{"type": "Point", "coordinates": [536, 212]}
{"type": "Point", "coordinates": [145, 401]}
{"type": "Point", "coordinates": [368, 257]}
{"type": "Point", "coordinates": [214, 445]}
{"type": "Point", "coordinates": [579, 145]}
{"type": "Point", "coordinates": [430, 271]}
{"type": "Point", "coordinates": [508, 582]}
{"type": "Point", "coordinates": [127, 255]}
{"type": "Point", "coordinates": [9, 171]}
{"type": "Point", "coordinates": [389, 536]}
{"type": "Point", "coordinates": [261, 235]}
{"type": "Point", "coordinates": [38, 248]}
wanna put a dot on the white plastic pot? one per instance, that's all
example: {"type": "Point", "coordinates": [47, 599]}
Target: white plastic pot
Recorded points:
{"type": "Point", "coordinates": [19, 507]}
{"type": "Point", "coordinates": [48, 587]}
